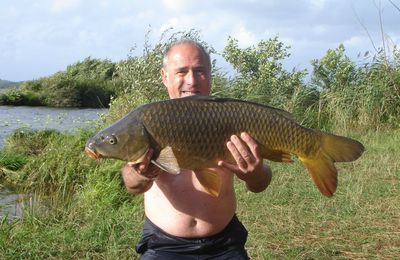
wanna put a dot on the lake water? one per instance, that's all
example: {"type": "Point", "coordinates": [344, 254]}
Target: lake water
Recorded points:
{"type": "Point", "coordinates": [62, 119]}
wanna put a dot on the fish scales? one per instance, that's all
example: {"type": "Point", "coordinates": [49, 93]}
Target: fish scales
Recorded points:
{"type": "Point", "coordinates": [203, 128]}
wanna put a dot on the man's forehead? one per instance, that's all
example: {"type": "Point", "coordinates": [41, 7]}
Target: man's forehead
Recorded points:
{"type": "Point", "coordinates": [185, 55]}
{"type": "Point", "coordinates": [191, 66]}
{"type": "Point", "coordinates": [186, 49]}
{"type": "Point", "coordinates": [191, 60]}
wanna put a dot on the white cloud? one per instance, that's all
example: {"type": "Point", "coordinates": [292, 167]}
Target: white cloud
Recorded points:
{"type": "Point", "coordinates": [172, 22]}
{"type": "Point", "coordinates": [104, 4]}
{"type": "Point", "coordinates": [59, 6]}
{"type": "Point", "coordinates": [319, 29]}
{"type": "Point", "coordinates": [317, 5]}
{"type": "Point", "coordinates": [244, 36]}
{"type": "Point", "coordinates": [145, 16]}
{"type": "Point", "coordinates": [71, 29]}
{"type": "Point", "coordinates": [355, 41]}
{"type": "Point", "coordinates": [177, 5]}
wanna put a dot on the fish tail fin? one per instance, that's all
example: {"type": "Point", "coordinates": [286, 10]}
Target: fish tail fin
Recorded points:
{"type": "Point", "coordinates": [323, 173]}
{"type": "Point", "coordinates": [333, 149]}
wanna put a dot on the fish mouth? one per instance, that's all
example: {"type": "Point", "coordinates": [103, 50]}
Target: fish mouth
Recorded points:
{"type": "Point", "coordinates": [92, 153]}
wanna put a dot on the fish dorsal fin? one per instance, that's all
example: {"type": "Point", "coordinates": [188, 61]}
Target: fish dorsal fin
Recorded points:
{"type": "Point", "coordinates": [281, 112]}
{"type": "Point", "coordinates": [285, 114]}
{"type": "Point", "coordinates": [166, 161]}
{"type": "Point", "coordinates": [210, 180]}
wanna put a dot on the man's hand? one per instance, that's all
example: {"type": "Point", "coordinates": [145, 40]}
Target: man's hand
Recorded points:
{"type": "Point", "coordinates": [249, 163]}
{"type": "Point", "coordinates": [142, 168]}
{"type": "Point", "coordinates": [138, 178]}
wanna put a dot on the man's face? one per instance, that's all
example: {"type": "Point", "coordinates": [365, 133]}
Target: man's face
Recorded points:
{"type": "Point", "coordinates": [187, 72]}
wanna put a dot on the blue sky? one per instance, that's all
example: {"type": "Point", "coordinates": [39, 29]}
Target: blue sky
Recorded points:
{"type": "Point", "coordinates": [39, 38]}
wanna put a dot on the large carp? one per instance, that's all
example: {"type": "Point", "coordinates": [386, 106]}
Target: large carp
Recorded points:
{"type": "Point", "coordinates": [191, 133]}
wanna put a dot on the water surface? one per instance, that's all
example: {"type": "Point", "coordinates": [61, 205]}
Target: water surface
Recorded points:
{"type": "Point", "coordinates": [62, 119]}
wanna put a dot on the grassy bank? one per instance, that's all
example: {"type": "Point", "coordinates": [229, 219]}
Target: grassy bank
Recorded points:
{"type": "Point", "coordinates": [291, 220]}
{"type": "Point", "coordinates": [96, 219]}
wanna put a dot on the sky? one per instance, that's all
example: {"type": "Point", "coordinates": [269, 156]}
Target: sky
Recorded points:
{"type": "Point", "coordinates": [40, 38]}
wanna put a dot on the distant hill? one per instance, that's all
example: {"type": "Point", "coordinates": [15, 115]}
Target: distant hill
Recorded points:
{"type": "Point", "coordinates": [6, 84]}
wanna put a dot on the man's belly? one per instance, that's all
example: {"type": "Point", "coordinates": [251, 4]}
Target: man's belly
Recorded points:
{"type": "Point", "coordinates": [179, 206]}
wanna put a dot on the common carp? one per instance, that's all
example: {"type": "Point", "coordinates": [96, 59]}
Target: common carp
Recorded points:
{"type": "Point", "coordinates": [191, 133]}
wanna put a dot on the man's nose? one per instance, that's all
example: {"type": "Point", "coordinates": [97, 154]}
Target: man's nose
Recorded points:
{"type": "Point", "coordinates": [191, 78]}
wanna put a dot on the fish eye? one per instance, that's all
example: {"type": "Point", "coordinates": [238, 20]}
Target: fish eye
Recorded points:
{"type": "Point", "coordinates": [112, 139]}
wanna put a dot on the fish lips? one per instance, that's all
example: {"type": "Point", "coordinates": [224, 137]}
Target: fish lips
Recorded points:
{"type": "Point", "coordinates": [92, 153]}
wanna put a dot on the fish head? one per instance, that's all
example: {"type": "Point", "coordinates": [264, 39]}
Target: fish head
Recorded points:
{"type": "Point", "coordinates": [127, 141]}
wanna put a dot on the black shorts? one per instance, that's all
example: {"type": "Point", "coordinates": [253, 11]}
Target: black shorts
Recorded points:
{"type": "Point", "coordinates": [227, 244]}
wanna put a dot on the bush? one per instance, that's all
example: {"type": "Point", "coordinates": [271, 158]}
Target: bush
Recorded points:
{"type": "Point", "coordinates": [12, 96]}
{"type": "Point", "coordinates": [364, 96]}
{"type": "Point", "coordinates": [262, 78]}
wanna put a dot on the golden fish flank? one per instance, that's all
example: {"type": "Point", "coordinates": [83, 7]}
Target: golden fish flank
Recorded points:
{"type": "Point", "coordinates": [191, 133]}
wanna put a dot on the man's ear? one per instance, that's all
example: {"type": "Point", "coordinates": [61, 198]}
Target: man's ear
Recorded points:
{"type": "Point", "coordinates": [164, 76]}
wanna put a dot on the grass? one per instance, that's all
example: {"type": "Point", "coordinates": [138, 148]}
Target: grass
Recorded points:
{"type": "Point", "coordinates": [290, 220]}
{"type": "Point", "coordinates": [362, 220]}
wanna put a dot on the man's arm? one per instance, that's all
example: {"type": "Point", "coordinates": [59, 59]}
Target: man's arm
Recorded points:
{"type": "Point", "coordinates": [249, 163]}
{"type": "Point", "coordinates": [138, 178]}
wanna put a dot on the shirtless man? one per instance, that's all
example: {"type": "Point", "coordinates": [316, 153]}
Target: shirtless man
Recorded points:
{"type": "Point", "coordinates": [182, 221]}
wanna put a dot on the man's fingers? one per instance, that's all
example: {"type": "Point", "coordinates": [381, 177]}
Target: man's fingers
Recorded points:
{"type": "Point", "coordinates": [231, 167]}
{"type": "Point", "coordinates": [237, 155]}
{"type": "Point", "coordinates": [147, 157]}
{"type": "Point", "coordinates": [251, 143]}
{"type": "Point", "coordinates": [243, 151]}
{"type": "Point", "coordinates": [141, 167]}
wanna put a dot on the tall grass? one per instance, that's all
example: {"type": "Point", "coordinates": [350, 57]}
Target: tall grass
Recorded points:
{"type": "Point", "coordinates": [357, 96]}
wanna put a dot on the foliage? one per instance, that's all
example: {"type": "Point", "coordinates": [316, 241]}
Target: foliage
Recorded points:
{"type": "Point", "coordinates": [28, 141]}
{"type": "Point", "coordinates": [12, 161]}
{"type": "Point", "coordinates": [14, 96]}
{"type": "Point", "coordinates": [356, 96]}
{"type": "Point", "coordinates": [335, 75]}
{"type": "Point", "coordinates": [84, 84]}
{"type": "Point", "coordinates": [60, 168]}
{"type": "Point", "coordinates": [335, 71]}
{"type": "Point", "coordinates": [4, 84]}
{"type": "Point", "coordinates": [379, 94]}
{"type": "Point", "coordinates": [262, 78]}
{"type": "Point", "coordinates": [55, 161]}
{"type": "Point", "coordinates": [91, 69]}
{"type": "Point", "coordinates": [11, 96]}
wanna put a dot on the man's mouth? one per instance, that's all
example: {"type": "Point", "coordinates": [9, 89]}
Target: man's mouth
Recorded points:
{"type": "Point", "coordinates": [189, 93]}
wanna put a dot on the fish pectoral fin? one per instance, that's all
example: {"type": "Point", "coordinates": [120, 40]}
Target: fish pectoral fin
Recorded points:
{"type": "Point", "coordinates": [140, 159]}
{"type": "Point", "coordinates": [277, 156]}
{"type": "Point", "coordinates": [210, 180]}
{"type": "Point", "coordinates": [167, 161]}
